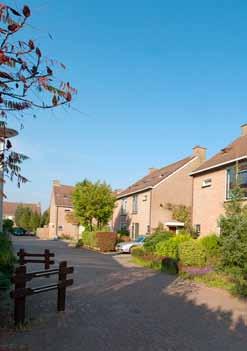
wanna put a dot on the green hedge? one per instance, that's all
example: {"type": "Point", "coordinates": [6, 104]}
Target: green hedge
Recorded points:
{"type": "Point", "coordinates": [7, 260]}
{"type": "Point", "coordinates": [192, 253]}
{"type": "Point", "coordinates": [151, 241]}
{"type": "Point", "coordinates": [89, 238]}
{"type": "Point", "coordinates": [170, 248]}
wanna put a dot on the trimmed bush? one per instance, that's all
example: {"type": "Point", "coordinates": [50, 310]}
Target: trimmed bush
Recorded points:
{"type": "Point", "coordinates": [123, 232]}
{"type": "Point", "coordinates": [192, 253]}
{"type": "Point", "coordinates": [89, 238]}
{"type": "Point", "coordinates": [169, 248]}
{"type": "Point", "coordinates": [151, 241]}
{"type": "Point", "coordinates": [211, 247]}
{"type": "Point", "coordinates": [106, 241]}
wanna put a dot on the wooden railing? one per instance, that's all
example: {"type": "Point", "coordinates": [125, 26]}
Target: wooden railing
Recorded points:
{"type": "Point", "coordinates": [21, 277]}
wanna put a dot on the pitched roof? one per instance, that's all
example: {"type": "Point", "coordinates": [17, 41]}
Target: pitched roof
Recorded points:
{"type": "Point", "coordinates": [236, 150]}
{"type": "Point", "coordinates": [63, 195]}
{"type": "Point", "coordinates": [9, 208]}
{"type": "Point", "coordinates": [155, 177]}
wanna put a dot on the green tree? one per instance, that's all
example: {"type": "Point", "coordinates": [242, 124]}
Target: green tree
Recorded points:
{"type": "Point", "coordinates": [34, 221]}
{"type": "Point", "coordinates": [45, 218]}
{"type": "Point", "coordinates": [26, 218]}
{"type": "Point", "coordinates": [93, 202]}
{"type": "Point", "coordinates": [182, 214]}
{"type": "Point", "coordinates": [7, 225]}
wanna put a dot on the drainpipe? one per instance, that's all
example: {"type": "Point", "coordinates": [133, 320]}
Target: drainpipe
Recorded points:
{"type": "Point", "coordinates": [150, 212]}
{"type": "Point", "coordinates": [57, 223]}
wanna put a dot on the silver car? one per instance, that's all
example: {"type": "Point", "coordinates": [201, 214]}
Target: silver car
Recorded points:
{"type": "Point", "coordinates": [127, 246]}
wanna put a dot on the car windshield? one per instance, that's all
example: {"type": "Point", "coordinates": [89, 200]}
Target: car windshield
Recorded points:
{"type": "Point", "coordinates": [140, 239]}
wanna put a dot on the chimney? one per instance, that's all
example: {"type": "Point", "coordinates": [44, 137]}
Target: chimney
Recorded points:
{"type": "Point", "coordinates": [151, 170]}
{"type": "Point", "coordinates": [244, 129]}
{"type": "Point", "coordinates": [200, 151]}
{"type": "Point", "coordinates": [56, 183]}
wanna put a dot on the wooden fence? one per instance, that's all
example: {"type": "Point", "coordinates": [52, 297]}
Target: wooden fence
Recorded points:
{"type": "Point", "coordinates": [21, 277]}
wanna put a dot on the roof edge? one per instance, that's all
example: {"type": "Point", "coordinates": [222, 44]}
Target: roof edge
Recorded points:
{"type": "Point", "coordinates": [218, 165]}
{"type": "Point", "coordinates": [156, 185]}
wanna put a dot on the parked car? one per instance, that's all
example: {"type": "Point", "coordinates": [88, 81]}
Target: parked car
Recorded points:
{"type": "Point", "coordinates": [126, 247]}
{"type": "Point", "coordinates": [18, 231]}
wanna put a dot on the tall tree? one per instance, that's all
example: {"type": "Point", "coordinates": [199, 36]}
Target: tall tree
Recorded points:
{"type": "Point", "coordinates": [45, 218]}
{"type": "Point", "coordinates": [27, 81]}
{"type": "Point", "coordinates": [93, 202]}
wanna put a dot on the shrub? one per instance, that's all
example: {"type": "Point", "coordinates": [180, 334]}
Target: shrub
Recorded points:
{"type": "Point", "coordinates": [169, 265]}
{"type": "Point", "coordinates": [7, 260]}
{"type": "Point", "coordinates": [211, 247]}
{"type": "Point", "coordinates": [138, 251]}
{"type": "Point", "coordinates": [79, 243]}
{"type": "Point", "coordinates": [192, 253]}
{"type": "Point", "coordinates": [151, 241]}
{"type": "Point", "coordinates": [169, 248]}
{"type": "Point", "coordinates": [123, 232]}
{"type": "Point", "coordinates": [89, 238]}
{"type": "Point", "coordinates": [106, 241]}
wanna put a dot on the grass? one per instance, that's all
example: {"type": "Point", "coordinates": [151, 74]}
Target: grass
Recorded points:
{"type": "Point", "coordinates": [147, 263]}
{"type": "Point", "coordinates": [212, 279]}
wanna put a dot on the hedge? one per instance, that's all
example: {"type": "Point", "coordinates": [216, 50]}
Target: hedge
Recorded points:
{"type": "Point", "coordinates": [170, 248]}
{"type": "Point", "coordinates": [89, 238]}
{"type": "Point", "coordinates": [151, 242]}
{"type": "Point", "coordinates": [106, 241]}
{"type": "Point", "coordinates": [7, 260]}
{"type": "Point", "coordinates": [192, 253]}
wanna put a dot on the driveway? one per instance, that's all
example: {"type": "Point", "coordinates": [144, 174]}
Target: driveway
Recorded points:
{"type": "Point", "coordinates": [114, 305]}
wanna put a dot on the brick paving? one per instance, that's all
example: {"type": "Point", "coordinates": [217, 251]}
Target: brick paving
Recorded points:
{"type": "Point", "coordinates": [114, 305]}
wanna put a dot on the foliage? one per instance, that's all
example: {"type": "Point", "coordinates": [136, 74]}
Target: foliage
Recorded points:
{"type": "Point", "coordinates": [169, 265]}
{"type": "Point", "coordinates": [89, 238]}
{"type": "Point", "coordinates": [192, 253]}
{"type": "Point", "coordinates": [106, 241]}
{"type": "Point", "coordinates": [233, 240]}
{"type": "Point", "coordinates": [151, 241]}
{"type": "Point", "coordinates": [80, 243]}
{"type": "Point", "coordinates": [7, 260]}
{"type": "Point", "coordinates": [8, 225]}
{"type": "Point", "coordinates": [71, 218]}
{"type": "Point", "coordinates": [26, 218]}
{"type": "Point", "coordinates": [211, 247]}
{"type": "Point", "coordinates": [27, 81]}
{"type": "Point", "coordinates": [182, 214]}
{"type": "Point", "coordinates": [93, 201]}
{"type": "Point", "coordinates": [45, 218]}
{"type": "Point", "coordinates": [169, 248]}
{"type": "Point", "coordinates": [138, 251]}
{"type": "Point", "coordinates": [123, 232]}
{"type": "Point", "coordinates": [160, 228]}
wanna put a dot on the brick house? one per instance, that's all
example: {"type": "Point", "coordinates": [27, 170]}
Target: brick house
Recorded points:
{"type": "Point", "coordinates": [213, 182]}
{"type": "Point", "coordinates": [9, 209]}
{"type": "Point", "coordinates": [60, 207]}
{"type": "Point", "coordinates": [142, 206]}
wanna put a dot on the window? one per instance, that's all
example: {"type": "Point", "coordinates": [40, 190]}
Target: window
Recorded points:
{"type": "Point", "coordinates": [124, 206]}
{"type": "Point", "coordinates": [198, 229]}
{"type": "Point", "coordinates": [135, 204]}
{"type": "Point", "coordinates": [207, 183]}
{"type": "Point", "coordinates": [67, 210]}
{"type": "Point", "coordinates": [135, 230]}
{"type": "Point", "coordinates": [148, 229]}
{"type": "Point", "coordinates": [123, 224]}
{"type": "Point", "coordinates": [60, 227]}
{"type": "Point", "coordinates": [236, 175]}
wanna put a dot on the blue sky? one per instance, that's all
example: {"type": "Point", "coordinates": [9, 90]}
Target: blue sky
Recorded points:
{"type": "Point", "coordinates": [154, 78]}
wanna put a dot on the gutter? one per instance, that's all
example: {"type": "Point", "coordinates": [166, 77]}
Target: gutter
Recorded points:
{"type": "Point", "coordinates": [217, 165]}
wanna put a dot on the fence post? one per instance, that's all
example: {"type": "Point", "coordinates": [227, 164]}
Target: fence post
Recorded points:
{"type": "Point", "coordinates": [22, 257]}
{"type": "Point", "coordinates": [20, 302]}
{"type": "Point", "coordinates": [47, 258]}
{"type": "Point", "coordinates": [61, 289]}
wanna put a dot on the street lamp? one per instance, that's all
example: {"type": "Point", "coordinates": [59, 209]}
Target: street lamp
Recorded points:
{"type": "Point", "coordinates": [5, 133]}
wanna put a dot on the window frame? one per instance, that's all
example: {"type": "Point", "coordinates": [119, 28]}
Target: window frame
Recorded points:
{"type": "Point", "coordinates": [135, 204]}
{"type": "Point", "coordinates": [236, 175]}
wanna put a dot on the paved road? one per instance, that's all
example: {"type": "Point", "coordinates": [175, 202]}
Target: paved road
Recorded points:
{"type": "Point", "coordinates": [115, 306]}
